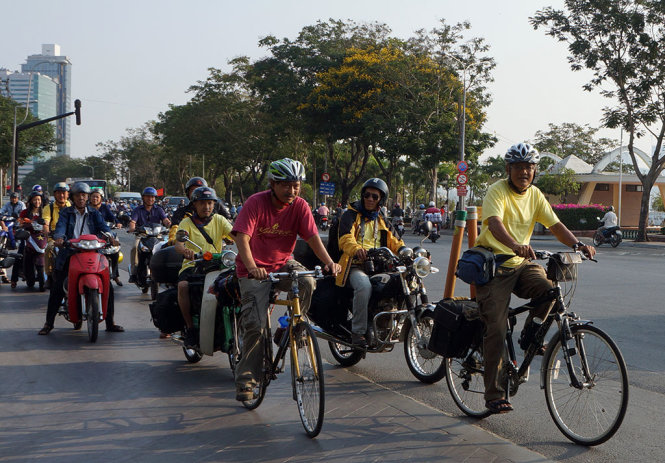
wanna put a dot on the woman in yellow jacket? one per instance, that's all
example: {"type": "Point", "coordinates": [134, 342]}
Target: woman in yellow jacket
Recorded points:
{"type": "Point", "coordinates": [362, 227]}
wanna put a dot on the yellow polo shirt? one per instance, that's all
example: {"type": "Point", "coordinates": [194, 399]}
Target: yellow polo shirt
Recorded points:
{"type": "Point", "coordinates": [52, 221]}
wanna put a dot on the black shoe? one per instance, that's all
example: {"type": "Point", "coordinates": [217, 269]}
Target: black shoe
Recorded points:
{"type": "Point", "coordinates": [132, 279]}
{"type": "Point", "coordinates": [359, 340]}
{"type": "Point", "coordinates": [115, 329]}
{"type": "Point", "coordinates": [191, 339]}
{"type": "Point", "coordinates": [117, 281]}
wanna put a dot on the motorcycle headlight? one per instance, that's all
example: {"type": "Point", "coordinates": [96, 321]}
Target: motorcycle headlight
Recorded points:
{"type": "Point", "coordinates": [422, 266]}
{"type": "Point", "coordinates": [229, 259]}
{"type": "Point", "coordinates": [89, 244]}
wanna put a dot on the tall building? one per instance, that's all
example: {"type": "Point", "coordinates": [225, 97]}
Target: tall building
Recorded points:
{"type": "Point", "coordinates": [39, 91]}
{"type": "Point", "coordinates": [59, 68]}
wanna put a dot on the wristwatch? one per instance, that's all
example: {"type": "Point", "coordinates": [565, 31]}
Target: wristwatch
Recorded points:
{"type": "Point", "coordinates": [578, 245]}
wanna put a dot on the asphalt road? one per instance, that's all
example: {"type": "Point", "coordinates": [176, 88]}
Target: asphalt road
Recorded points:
{"type": "Point", "coordinates": [623, 293]}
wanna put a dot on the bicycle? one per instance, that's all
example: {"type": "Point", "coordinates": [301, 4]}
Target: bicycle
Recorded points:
{"type": "Point", "coordinates": [583, 371]}
{"type": "Point", "coordinates": [306, 364]}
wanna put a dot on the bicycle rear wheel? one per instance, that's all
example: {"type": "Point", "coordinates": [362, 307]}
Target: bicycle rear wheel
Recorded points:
{"type": "Point", "coordinates": [307, 374]}
{"type": "Point", "coordinates": [466, 383]}
{"type": "Point", "coordinates": [591, 414]}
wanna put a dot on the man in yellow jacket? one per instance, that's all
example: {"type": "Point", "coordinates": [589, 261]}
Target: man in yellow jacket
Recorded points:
{"type": "Point", "coordinates": [362, 227]}
{"type": "Point", "coordinates": [50, 214]}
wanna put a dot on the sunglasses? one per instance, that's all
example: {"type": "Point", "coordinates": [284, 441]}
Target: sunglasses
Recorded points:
{"type": "Point", "coordinates": [374, 196]}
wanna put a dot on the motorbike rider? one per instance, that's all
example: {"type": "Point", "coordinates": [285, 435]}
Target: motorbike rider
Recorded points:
{"type": "Point", "coordinates": [188, 210]}
{"type": "Point", "coordinates": [265, 233]}
{"type": "Point", "coordinates": [32, 212]}
{"type": "Point", "coordinates": [207, 230]}
{"type": "Point", "coordinates": [418, 217]}
{"type": "Point", "coordinates": [51, 213]}
{"type": "Point", "coordinates": [362, 227]}
{"type": "Point", "coordinates": [397, 211]}
{"type": "Point", "coordinates": [74, 221]}
{"type": "Point", "coordinates": [433, 214]}
{"type": "Point", "coordinates": [95, 200]}
{"type": "Point", "coordinates": [145, 214]}
{"type": "Point", "coordinates": [11, 209]}
{"type": "Point", "coordinates": [511, 208]}
{"type": "Point", "coordinates": [609, 221]}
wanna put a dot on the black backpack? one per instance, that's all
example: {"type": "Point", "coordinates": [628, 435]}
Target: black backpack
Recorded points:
{"type": "Point", "coordinates": [166, 313]}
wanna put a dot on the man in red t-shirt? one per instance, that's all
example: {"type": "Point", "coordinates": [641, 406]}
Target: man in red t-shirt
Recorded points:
{"type": "Point", "coordinates": [265, 232]}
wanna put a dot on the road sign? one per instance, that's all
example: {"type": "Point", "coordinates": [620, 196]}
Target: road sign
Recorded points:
{"type": "Point", "coordinates": [462, 166]}
{"type": "Point", "coordinates": [327, 188]}
{"type": "Point", "coordinates": [462, 190]}
{"type": "Point", "coordinates": [462, 179]}
{"type": "Point", "coordinates": [325, 176]}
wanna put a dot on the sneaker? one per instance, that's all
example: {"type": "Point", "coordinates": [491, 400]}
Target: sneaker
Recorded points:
{"type": "Point", "coordinates": [191, 341]}
{"type": "Point", "coordinates": [245, 393]}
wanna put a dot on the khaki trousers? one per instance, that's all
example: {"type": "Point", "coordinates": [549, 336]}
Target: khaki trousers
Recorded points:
{"type": "Point", "coordinates": [255, 301]}
{"type": "Point", "coordinates": [526, 281]}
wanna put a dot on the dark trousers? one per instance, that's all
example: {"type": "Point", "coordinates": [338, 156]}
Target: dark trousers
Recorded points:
{"type": "Point", "coordinates": [58, 293]}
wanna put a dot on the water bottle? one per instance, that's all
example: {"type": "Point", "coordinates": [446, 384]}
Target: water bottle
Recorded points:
{"type": "Point", "coordinates": [529, 332]}
{"type": "Point", "coordinates": [281, 329]}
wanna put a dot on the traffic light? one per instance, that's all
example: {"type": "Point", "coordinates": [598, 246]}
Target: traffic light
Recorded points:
{"type": "Point", "coordinates": [77, 111]}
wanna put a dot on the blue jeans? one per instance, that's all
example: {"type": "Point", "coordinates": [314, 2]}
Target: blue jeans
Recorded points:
{"type": "Point", "coordinates": [362, 291]}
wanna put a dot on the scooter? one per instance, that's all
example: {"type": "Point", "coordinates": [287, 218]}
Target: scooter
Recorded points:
{"type": "Point", "coordinates": [87, 287]}
{"type": "Point", "coordinates": [398, 225]}
{"type": "Point", "coordinates": [7, 258]}
{"type": "Point", "coordinates": [150, 235]}
{"type": "Point", "coordinates": [33, 254]}
{"type": "Point", "coordinates": [612, 235]}
{"type": "Point", "coordinates": [323, 222]}
{"type": "Point", "coordinates": [214, 297]}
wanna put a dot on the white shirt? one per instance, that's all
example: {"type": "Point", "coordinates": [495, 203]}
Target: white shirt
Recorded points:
{"type": "Point", "coordinates": [609, 219]}
{"type": "Point", "coordinates": [81, 227]}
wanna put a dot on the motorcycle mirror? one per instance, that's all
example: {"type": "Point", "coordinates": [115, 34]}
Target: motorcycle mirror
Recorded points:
{"type": "Point", "coordinates": [182, 236]}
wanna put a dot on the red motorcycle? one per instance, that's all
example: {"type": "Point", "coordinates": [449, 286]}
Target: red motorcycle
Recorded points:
{"type": "Point", "coordinates": [87, 286]}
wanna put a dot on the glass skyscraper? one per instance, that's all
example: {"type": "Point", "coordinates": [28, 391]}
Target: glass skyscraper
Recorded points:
{"type": "Point", "coordinates": [59, 68]}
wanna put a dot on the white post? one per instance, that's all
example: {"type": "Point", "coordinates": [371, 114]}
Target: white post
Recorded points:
{"type": "Point", "coordinates": [620, 172]}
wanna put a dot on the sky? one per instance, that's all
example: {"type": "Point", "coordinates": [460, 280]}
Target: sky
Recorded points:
{"type": "Point", "coordinates": [131, 59]}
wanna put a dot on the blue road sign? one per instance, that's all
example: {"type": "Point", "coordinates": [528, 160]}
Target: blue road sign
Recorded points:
{"type": "Point", "coordinates": [327, 188]}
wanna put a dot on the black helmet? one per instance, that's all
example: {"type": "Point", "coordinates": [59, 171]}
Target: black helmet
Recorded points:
{"type": "Point", "coordinates": [34, 194]}
{"type": "Point", "coordinates": [379, 185]}
{"type": "Point", "coordinates": [203, 193]}
{"type": "Point", "coordinates": [80, 187]}
{"type": "Point", "coordinates": [14, 195]}
{"type": "Point", "coordinates": [198, 181]}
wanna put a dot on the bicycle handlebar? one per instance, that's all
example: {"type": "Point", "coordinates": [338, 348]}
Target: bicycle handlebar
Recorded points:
{"type": "Point", "coordinates": [542, 254]}
{"type": "Point", "coordinates": [274, 277]}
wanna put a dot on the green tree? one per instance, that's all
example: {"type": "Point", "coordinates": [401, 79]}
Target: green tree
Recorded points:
{"type": "Point", "coordinates": [620, 42]}
{"type": "Point", "coordinates": [570, 138]}
{"type": "Point", "coordinates": [561, 184]}
{"type": "Point", "coordinates": [32, 142]}
{"type": "Point", "coordinates": [657, 203]}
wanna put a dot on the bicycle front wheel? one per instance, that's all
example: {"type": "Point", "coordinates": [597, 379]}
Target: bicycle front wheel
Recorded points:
{"type": "Point", "coordinates": [465, 379]}
{"type": "Point", "coordinates": [592, 413]}
{"type": "Point", "coordinates": [307, 374]}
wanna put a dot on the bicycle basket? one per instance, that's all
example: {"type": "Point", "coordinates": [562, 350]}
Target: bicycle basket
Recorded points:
{"type": "Point", "coordinates": [562, 266]}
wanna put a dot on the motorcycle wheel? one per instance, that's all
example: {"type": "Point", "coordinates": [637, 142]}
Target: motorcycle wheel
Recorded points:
{"type": "Point", "coordinates": [344, 355]}
{"type": "Point", "coordinates": [597, 239]}
{"type": "Point", "coordinates": [433, 238]}
{"type": "Point", "coordinates": [424, 364]}
{"type": "Point", "coordinates": [92, 311]}
{"type": "Point", "coordinates": [614, 240]}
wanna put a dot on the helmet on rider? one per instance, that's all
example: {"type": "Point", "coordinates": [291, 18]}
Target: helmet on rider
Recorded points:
{"type": "Point", "coordinates": [97, 190]}
{"type": "Point", "coordinates": [195, 182]}
{"type": "Point", "coordinates": [611, 209]}
{"type": "Point", "coordinates": [204, 193]}
{"type": "Point", "coordinates": [37, 188]}
{"type": "Point", "coordinates": [377, 184]}
{"type": "Point", "coordinates": [80, 187]}
{"type": "Point", "coordinates": [522, 152]}
{"type": "Point", "coordinates": [432, 204]}
{"type": "Point", "coordinates": [422, 206]}
{"type": "Point", "coordinates": [33, 194]}
{"type": "Point", "coordinates": [60, 186]}
{"type": "Point", "coordinates": [13, 195]}
{"type": "Point", "coordinates": [149, 191]}
{"type": "Point", "coordinates": [286, 170]}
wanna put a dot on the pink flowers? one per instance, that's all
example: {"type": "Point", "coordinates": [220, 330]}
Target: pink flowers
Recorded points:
{"type": "Point", "coordinates": [560, 207]}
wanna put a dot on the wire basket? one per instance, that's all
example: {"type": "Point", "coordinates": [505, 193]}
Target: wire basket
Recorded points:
{"type": "Point", "coordinates": [562, 266]}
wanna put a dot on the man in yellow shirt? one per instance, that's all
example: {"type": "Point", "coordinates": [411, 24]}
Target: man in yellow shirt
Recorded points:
{"type": "Point", "coordinates": [207, 230]}
{"type": "Point", "coordinates": [511, 208]}
{"type": "Point", "coordinates": [50, 214]}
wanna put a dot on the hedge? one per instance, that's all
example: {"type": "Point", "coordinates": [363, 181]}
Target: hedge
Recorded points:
{"type": "Point", "coordinates": [579, 217]}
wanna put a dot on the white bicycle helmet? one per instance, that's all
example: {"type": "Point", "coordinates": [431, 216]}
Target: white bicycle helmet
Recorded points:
{"type": "Point", "coordinates": [286, 170]}
{"type": "Point", "coordinates": [431, 204]}
{"type": "Point", "coordinates": [522, 152]}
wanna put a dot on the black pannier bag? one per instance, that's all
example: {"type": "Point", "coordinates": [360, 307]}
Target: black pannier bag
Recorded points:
{"type": "Point", "coordinates": [454, 332]}
{"type": "Point", "coordinates": [166, 313]}
{"type": "Point", "coordinates": [165, 265]}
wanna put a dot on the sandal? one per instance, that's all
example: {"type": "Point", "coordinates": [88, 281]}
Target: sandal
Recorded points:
{"type": "Point", "coordinates": [46, 330]}
{"type": "Point", "coordinates": [499, 406]}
